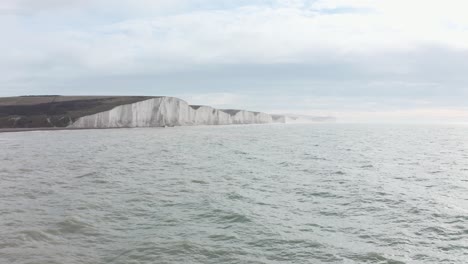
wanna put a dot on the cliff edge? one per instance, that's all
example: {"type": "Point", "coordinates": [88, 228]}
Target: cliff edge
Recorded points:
{"type": "Point", "coordinates": [75, 112]}
{"type": "Point", "coordinates": [56, 111]}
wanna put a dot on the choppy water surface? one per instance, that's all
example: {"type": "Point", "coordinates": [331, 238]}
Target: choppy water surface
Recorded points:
{"type": "Point", "coordinates": [236, 194]}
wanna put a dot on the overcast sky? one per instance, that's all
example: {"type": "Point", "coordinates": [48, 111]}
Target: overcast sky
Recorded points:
{"type": "Point", "coordinates": [359, 60]}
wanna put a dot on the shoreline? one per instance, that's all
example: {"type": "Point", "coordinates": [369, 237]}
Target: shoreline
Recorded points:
{"type": "Point", "coordinates": [15, 130]}
{"type": "Point", "coordinates": [12, 130]}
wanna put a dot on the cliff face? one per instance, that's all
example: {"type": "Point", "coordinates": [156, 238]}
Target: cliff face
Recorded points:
{"type": "Point", "coordinates": [56, 111]}
{"type": "Point", "coordinates": [28, 112]}
{"type": "Point", "coordinates": [167, 111]}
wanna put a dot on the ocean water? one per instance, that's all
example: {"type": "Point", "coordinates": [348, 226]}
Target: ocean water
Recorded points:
{"type": "Point", "coordinates": [325, 193]}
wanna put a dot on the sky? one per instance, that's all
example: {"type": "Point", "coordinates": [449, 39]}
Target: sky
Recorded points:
{"type": "Point", "coordinates": [357, 60]}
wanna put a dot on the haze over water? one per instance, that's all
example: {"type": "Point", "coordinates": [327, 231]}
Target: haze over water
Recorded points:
{"type": "Point", "coordinates": [325, 193]}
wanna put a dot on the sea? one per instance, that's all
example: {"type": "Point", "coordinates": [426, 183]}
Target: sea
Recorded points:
{"type": "Point", "coordinates": [299, 193]}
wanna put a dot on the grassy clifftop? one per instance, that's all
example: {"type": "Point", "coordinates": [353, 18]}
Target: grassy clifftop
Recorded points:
{"type": "Point", "coordinates": [54, 110]}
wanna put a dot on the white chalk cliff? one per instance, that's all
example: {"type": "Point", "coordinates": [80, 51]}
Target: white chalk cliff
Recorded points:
{"type": "Point", "coordinates": [169, 111]}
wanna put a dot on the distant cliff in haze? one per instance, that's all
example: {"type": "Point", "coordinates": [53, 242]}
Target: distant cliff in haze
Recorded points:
{"type": "Point", "coordinates": [123, 111]}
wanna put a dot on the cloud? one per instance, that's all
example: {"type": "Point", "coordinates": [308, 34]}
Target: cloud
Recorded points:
{"type": "Point", "coordinates": [411, 50]}
{"type": "Point", "coordinates": [218, 100]}
{"type": "Point", "coordinates": [275, 33]}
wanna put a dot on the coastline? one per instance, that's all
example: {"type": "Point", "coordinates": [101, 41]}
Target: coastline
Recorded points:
{"type": "Point", "coordinates": [12, 130]}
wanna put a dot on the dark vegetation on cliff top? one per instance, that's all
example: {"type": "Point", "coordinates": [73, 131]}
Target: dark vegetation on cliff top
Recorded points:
{"type": "Point", "coordinates": [56, 111]}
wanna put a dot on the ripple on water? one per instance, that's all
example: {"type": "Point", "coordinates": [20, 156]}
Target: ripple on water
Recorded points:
{"type": "Point", "coordinates": [199, 181]}
{"type": "Point", "coordinates": [373, 257]}
{"type": "Point", "coordinates": [86, 175]}
{"type": "Point", "coordinates": [36, 235]}
{"type": "Point", "coordinates": [236, 194]}
{"type": "Point", "coordinates": [224, 217]}
{"type": "Point", "coordinates": [73, 225]}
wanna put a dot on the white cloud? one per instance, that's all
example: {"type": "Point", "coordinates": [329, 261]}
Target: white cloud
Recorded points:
{"type": "Point", "coordinates": [219, 100]}
{"type": "Point", "coordinates": [283, 33]}
{"type": "Point", "coordinates": [381, 45]}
